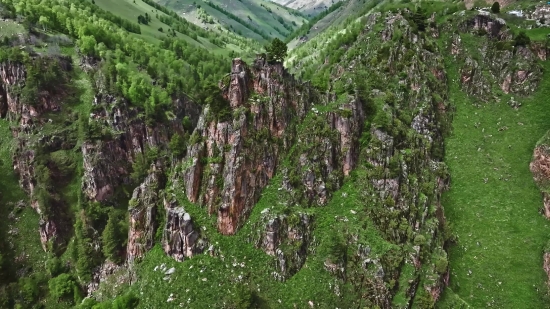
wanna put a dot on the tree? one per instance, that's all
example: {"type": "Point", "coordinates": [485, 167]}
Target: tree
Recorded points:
{"type": "Point", "coordinates": [522, 39]}
{"type": "Point", "coordinates": [61, 286]}
{"type": "Point", "coordinates": [111, 238]}
{"type": "Point", "coordinates": [419, 19]}
{"type": "Point", "coordinates": [177, 145]}
{"type": "Point", "coordinates": [54, 266]}
{"type": "Point", "coordinates": [495, 8]}
{"type": "Point", "coordinates": [87, 45]}
{"type": "Point", "coordinates": [276, 52]}
{"type": "Point", "coordinates": [44, 22]}
{"type": "Point", "coordinates": [143, 20]}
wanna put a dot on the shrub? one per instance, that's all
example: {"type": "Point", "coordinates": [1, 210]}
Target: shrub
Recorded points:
{"type": "Point", "coordinates": [61, 286]}
{"type": "Point", "coordinates": [441, 265]}
{"type": "Point", "coordinates": [522, 39]}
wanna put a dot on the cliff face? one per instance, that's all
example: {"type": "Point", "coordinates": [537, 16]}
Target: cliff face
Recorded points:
{"type": "Point", "coordinates": [32, 142]}
{"type": "Point", "coordinates": [230, 162]}
{"type": "Point", "coordinates": [495, 62]}
{"type": "Point", "coordinates": [117, 136]}
{"type": "Point", "coordinates": [143, 209]}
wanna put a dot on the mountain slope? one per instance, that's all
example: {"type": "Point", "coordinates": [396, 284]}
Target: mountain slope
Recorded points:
{"type": "Point", "coordinates": [258, 19]}
{"type": "Point", "coordinates": [160, 22]}
{"type": "Point", "coordinates": [145, 170]}
{"type": "Point", "coordinates": [309, 7]}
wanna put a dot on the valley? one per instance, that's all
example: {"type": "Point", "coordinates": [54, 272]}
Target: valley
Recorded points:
{"type": "Point", "coordinates": [274, 154]}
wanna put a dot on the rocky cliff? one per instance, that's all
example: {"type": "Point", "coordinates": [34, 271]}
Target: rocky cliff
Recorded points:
{"type": "Point", "coordinates": [29, 107]}
{"type": "Point", "coordinates": [495, 63]}
{"type": "Point", "coordinates": [230, 162]}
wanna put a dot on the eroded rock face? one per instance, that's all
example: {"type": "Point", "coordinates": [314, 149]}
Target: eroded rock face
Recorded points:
{"type": "Point", "coordinates": [514, 70]}
{"type": "Point", "coordinates": [108, 157]}
{"type": "Point", "coordinates": [540, 168]}
{"type": "Point", "coordinates": [180, 238]}
{"type": "Point", "coordinates": [53, 226]}
{"type": "Point", "coordinates": [494, 27]}
{"type": "Point", "coordinates": [287, 237]}
{"type": "Point", "coordinates": [143, 214]}
{"type": "Point", "coordinates": [230, 162]}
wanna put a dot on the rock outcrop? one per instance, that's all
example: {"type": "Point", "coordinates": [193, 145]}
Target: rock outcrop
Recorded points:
{"type": "Point", "coordinates": [180, 237]}
{"type": "Point", "coordinates": [511, 69]}
{"type": "Point", "coordinates": [230, 162]}
{"type": "Point", "coordinates": [117, 135]}
{"type": "Point", "coordinates": [287, 237]}
{"type": "Point", "coordinates": [540, 167]}
{"type": "Point", "coordinates": [143, 210]}
{"type": "Point", "coordinates": [19, 104]}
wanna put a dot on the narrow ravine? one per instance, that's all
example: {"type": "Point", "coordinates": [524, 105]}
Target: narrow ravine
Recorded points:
{"type": "Point", "coordinates": [493, 204]}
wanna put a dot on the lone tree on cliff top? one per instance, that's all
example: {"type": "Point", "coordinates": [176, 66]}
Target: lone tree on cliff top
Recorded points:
{"type": "Point", "coordinates": [276, 51]}
{"type": "Point", "coordinates": [495, 8]}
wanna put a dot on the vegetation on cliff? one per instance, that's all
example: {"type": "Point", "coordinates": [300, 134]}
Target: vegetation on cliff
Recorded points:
{"type": "Point", "coordinates": [152, 171]}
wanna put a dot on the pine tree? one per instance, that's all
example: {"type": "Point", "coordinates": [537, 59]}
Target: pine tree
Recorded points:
{"type": "Point", "coordinates": [495, 8]}
{"type": "Point", "coordinates": [276, 51]}
{"type": "Point", "coordinates": [111, 238]}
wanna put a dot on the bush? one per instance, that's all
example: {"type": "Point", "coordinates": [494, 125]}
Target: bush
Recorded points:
{"type": "Point", "coordinates": [441, 265]}
{"type": "Point", "coordinates": [61, 286]}
{"type": "Point", "coordinates": [128, 301]}
{"type": "Point", "coordinates": [522, 39]}
{"type": "Point", "coordinates": [54, 266]}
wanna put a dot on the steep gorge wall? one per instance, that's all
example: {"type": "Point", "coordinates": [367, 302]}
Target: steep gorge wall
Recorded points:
{"type": "Point", "coordinates": [230, 162]}
{"type": "Point", "coordinates": [26, 111]}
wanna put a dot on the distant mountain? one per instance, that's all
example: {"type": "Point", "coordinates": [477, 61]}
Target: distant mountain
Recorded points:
{"type": "Point", "coordinates": [309, 7]}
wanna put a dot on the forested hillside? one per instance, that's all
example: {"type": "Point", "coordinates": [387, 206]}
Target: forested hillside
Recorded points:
{"type": "Point", "coordinates": [179, 154]}
{"type": "Point", "coordinates": [258, 19]}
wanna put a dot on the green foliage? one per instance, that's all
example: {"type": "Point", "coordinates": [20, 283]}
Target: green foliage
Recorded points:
{"type": "Point", "coordinates": [441, 265]}
{"type": "Point", "coordinates": [177, 145]}
{"type": "Point", "coordinates": [522, 39]}
{"type": "Point", "coordinates": [114, 236]}
{"type": "Point", "coordinates": [276, 51]}
{"type": "Point", "coordinates": [88, 303]}
{"type": "Point", "coordinates": [243, 297]}
{"type": "Point", "coordinates": [29, 289]}
{"type": "Point", "coordinates": [61, 287]}
{"type": "Point", "coordinates": [495, 8]}
{"type": "Point", "coordinates": [418, 19]}
{"type": "Point", "coordinates": [54, 266]}
{"type": "Point", "coordinates": [220, 110]}
{"type": "Point", "coordinates": [128, 301]}
{"type": "Point", "coordinates": [142, 163]}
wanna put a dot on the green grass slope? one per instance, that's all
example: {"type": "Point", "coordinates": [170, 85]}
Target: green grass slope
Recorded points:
{"type": "Point", "coordinates": [130, 10]}
{"type": "Point", "coordinates": [258, 19]}
{"type": "Point", "coordinates": [309, 7]}
{"type": "Point", "coordinates": [493, 204]}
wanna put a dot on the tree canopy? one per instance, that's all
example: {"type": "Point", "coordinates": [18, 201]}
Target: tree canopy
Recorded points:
{"type": "Point", "coordinates": [495, 8]}
{"type": "Point", "coordinates": [276, 51]}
